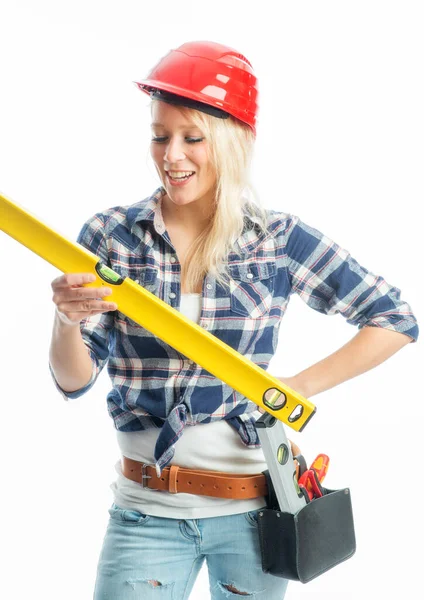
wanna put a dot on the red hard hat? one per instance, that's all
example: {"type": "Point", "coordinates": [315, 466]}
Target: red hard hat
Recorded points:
{"type": "Point", "coordinates": [208, 73]}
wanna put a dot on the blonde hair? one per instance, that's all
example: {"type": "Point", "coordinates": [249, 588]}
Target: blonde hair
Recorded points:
{"type": "Point", "coordinates": [230, 144]}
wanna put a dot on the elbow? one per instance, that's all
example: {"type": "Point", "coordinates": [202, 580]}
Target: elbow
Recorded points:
{"type": "Point", "coordinates": [406, 325]}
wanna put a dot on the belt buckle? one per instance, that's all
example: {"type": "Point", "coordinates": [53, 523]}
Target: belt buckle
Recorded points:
{"type": "Point", "coordinates": [145, 476]}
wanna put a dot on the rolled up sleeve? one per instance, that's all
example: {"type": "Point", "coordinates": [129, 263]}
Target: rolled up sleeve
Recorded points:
{"type": "Point", "coordinates": [330, 281]}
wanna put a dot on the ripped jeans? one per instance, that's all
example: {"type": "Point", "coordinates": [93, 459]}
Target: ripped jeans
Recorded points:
{"type": "Point", "coordinates": [154, 558]}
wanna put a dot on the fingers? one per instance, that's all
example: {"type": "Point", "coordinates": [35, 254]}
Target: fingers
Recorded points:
{"type": "Point", "coordinates": [80, 294]}
{"type": "Point", "coordinates": [87, 306]}
{"type": "Point", "coordinates": [74, 302]}
{"type": "Point", "coordinates": [72, 279]}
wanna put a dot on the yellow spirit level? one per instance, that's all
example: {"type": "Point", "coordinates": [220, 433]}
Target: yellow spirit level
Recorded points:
{"type": "Point", "coordinates": [160, 319]}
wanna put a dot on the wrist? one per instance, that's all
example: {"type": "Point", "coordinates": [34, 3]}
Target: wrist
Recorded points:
{"type": "Point", "coordinates": [298, 384]}
{"type": "Point", "coordinates": [63, 323]}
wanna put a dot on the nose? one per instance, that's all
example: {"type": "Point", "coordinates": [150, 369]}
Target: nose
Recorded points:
{"type": "Point", "coordinates": [174, 151]}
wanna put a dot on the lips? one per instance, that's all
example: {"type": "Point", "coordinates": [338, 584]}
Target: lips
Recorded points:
{"type": "Point", "coordinates": [179, 175]}
{"type": "Point", "coordinates": [178, 178]}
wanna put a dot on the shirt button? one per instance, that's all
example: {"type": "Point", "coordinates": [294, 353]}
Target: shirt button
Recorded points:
{"type": "Point", "coordinates": [173, 259]}
{"type": "Point", "coordinates": [208, 286]}
{"type": "Point", "coordinates": [172, 295]}
{"type": "Point", "coordinates": [249, 275]}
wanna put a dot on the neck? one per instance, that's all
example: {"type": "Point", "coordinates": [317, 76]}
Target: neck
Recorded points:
{"type": "Point", "coordinates": [194, 217]}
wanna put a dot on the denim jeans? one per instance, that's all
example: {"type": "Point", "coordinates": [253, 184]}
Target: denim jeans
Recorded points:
{"type": "Point", "coordinates": [155, 558]}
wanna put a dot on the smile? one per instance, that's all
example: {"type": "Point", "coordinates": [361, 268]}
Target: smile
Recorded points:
{"type": "Point", "coordinates": [179, 177]}
{"type": "Point", "coordinates": [179, 174]}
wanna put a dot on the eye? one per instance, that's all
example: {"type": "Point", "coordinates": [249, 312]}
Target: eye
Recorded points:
{"type": "Point", "coordinates": [193, 140]}
{"type": "Point", "coordinates": [160, 139]}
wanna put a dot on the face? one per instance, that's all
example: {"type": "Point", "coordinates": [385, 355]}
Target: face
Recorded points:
{"type": "Point", "coordinates": [180, 153]}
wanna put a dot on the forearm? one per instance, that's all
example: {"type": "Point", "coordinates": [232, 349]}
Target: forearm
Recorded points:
{"type": "Point", "coordinates": [69, 357]}
{"type": "Point", "coordinates": [369, 348]}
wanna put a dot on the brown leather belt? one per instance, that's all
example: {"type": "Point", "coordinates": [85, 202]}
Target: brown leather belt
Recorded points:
{"type": "Point", "coordinates": [176, 479]}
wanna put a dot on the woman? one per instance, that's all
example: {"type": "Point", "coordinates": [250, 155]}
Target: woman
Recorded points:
{"type": "Point", "coordinates": [202, 245]}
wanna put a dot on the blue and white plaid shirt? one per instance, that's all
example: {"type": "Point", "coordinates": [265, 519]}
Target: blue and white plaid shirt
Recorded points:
{"type": "Point", "coordinates": [153, 385]}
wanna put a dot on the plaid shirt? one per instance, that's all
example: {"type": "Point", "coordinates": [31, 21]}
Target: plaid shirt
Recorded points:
{"type": "Point", "coordinates": [153, 385]}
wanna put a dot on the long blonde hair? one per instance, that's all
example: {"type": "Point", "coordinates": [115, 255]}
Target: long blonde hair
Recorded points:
{"type": "Point", "coordinates": [230, 144]}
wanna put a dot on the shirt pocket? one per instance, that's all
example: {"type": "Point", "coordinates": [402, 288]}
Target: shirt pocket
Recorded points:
{"type": "Point", "coordinates": [146, 277]}
{"type": "Point", "coordinates": [252, 288]}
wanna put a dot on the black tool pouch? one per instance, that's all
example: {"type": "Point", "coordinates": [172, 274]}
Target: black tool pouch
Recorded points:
{"type": "Point", "coordinates": [304, 545]}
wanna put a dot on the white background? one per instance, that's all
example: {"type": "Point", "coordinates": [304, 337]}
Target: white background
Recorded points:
{"type": "Point", "coordinates": [340, 143]}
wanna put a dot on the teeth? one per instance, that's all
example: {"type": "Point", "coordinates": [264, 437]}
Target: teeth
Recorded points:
{"type": "Point", "coordinates": [179, 174]}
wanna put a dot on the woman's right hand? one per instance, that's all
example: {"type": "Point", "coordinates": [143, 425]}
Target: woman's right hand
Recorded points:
{"type": "Point", "coordinates": [74, 302]}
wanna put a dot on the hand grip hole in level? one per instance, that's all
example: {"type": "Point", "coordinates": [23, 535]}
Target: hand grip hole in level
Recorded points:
{"type": "Point", "coordinates": [296, 414]}
{"type": "Point", "coordinates": [274, 399]}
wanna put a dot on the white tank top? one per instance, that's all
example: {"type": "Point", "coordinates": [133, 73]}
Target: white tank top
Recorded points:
{"type": "Point", "coordinates": [211, 446]}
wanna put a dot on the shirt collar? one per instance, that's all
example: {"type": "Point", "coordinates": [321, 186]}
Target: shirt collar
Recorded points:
{"type": "Point", "coordinates": [150, 210]}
